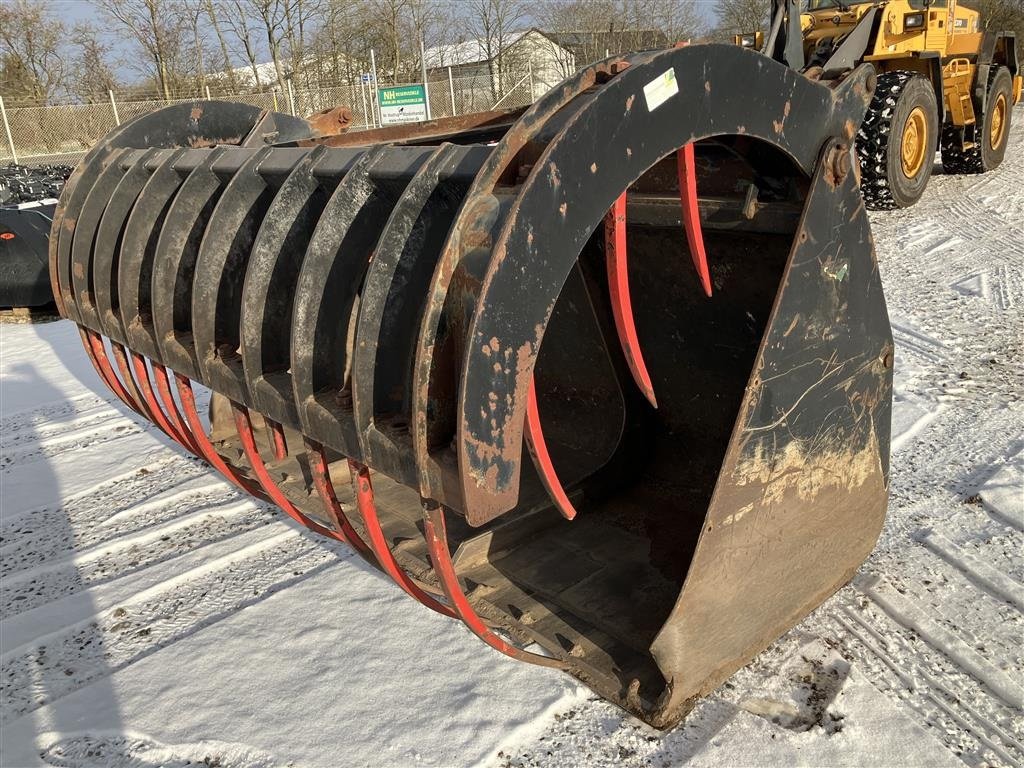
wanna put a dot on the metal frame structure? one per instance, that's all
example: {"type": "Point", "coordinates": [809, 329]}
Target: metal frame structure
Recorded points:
{"type": "Point", "coordinates": [380, 299]}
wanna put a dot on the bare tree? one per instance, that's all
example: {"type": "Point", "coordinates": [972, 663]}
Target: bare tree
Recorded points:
{"type": "Point", "coordinates": [593, 29]}
{"type": "Point", "coordinates": [741, 16]}
{"type": "Point", "coordinates": [214, 10]}
{"type": "Point", "coordinates": [495, 23]}
{"type": "Point", "coordinates": [388, 18]}
{"type": "Point", "coordinates": [93, 75]}
{"type": "Point", "coordinates": [31, 65]}
{"type": "Point", "coordinates": [272, 16]}
{"type": "Point", "coordinates": [156, 26]}
{"type": "Point", "coordinates": [679, 20]}
{"type": "Point", "coordinates": [1001, 15]}
{"type": "Point", "coordinates": [237, 21]}
{"type": "Point", "coordinates": [302, 17]}
{"type": "Point", "coordinates": [195, 14]}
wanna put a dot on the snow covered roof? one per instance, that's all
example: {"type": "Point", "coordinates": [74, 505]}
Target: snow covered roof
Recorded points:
{"type": "Point", "coordinates": [472, 51]}
{"type": "Point", "coordinates": [244, 75]}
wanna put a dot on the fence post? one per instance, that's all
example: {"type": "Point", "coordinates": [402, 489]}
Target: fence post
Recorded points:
{"type": "Point", "coordinates": [451, 89]}
{"type": "Point", "coordinates": [362, 95]}
{"type": "Point", "coordinates": [423, 72]}
{"type": "Point", "coordinates": [529, 65]}
{"type": "Point", "coordinates": [276, 108]}
{"type": "Point", "coordinates": [7, 128]}
{"type": "Point", "coordinates": [291, 96]}
{"type": "Point", "coordinates": [373, 91]}
{"type": "Point", "coordinates": [113, 106]}
{"type": "Point", "coordinates": [207, 89]}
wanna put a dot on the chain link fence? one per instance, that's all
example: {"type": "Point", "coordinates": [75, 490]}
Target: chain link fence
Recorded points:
{"type": "Point", "coordinates": [62, 133]}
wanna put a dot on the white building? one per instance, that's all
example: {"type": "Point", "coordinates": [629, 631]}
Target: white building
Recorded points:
{"type": "Point", "coordinates": [528, 55]}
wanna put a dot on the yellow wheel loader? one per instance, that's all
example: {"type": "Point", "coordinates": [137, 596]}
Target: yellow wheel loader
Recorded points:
{"type": "Point", "coordinates": [942, 83]}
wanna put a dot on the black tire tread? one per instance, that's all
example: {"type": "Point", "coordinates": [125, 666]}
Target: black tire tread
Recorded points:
{"type": "Point", "coordinates": [873, 140]}
{"type": "Point", "coordinates": [957, 160]}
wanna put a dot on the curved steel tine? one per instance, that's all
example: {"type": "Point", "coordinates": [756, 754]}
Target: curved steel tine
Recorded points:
{"type": "Point", "coordinates": [542, 459]}
{"type": "Point", "coordinates": [126, 386]}
{"type": "Point", "coordinates": [142, 376]}
{"type": "Point", "coordinates": [440, 557]}
{"type": "Point", "coordinates": [325, 488]}
{"type": "Point", "coordinates": [84, 241]}
{"type": "Point", "coordinates": [206, 449]}
{"type": "Point", "coordinates": [278, 438]}
{"type": "Point", "coordinates": [378, 542]}
{"type": "Point", "coordinates": [616, 257]}
{"type": "Point", "coordinates": [98, 357]}
{"type": "Point", "coordinates": [686, 167]}
{"type": "Point", "coordinates": [243, 423]}
{"type": "Point", "coordinates": [163, 390]}
{"type": "Point", "coordinates": [121, 358]}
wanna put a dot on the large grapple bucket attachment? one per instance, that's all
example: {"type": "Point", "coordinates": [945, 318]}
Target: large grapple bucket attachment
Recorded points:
{"type": "Point", "coordinates": [607, 379]}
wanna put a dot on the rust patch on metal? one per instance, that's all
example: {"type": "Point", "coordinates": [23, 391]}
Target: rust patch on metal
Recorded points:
{"type": "Point", "coordinates": [779, 125]}
{"type": "Point", "coordinates": [331, 121]}
{"type": "Point", "coordinates": [805, 474]}
{"type": "Point", "coordinates": [554, 176]}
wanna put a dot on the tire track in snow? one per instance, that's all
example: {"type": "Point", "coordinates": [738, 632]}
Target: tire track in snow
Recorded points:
{"type": "Point", "coordinates": [73, 439]}
{"type": "Point", "coordinates": [24, 631]}
{"type": "Point", "coordinates": [209, 521]}
{"type": "Point", "coordinates": [58, 664]}
{"type": "Point", "coordinates": [924, 687]}
{"type": "Point", "coordinates": [31, 419]}
{"type": "Point", "coordinates": [912, 616]}
{"type": "Point", "coordinates": [122, 505]}
{"type": "Point", "coordinates": [992, 579]}
{"type": "Point", "coordinates": [134, 750]}
{"type": "Point", "coordinates": [96, 414]}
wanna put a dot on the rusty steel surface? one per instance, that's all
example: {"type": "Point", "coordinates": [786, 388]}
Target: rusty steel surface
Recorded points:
{"type": "Point", "coordinates": [619, 363]}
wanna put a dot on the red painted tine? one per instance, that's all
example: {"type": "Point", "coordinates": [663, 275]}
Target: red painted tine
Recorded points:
{"type": "Point", "coordinates": [163, 389]}
{"type": "Point", "coordinates": [243, 424]}
{"type": "Point", "coordinates": [686, 165]}
{"type": "Point", "coordinates": [440, 557]}
{"type": "Point", "coordinates": [622, 307]}
{"type": "Point", "coordinates": [542, 460]}
{"type": "Point", "coordinates": [206, 449]}
{"type": "Point", "coordinates": [280, 444]}
{"type": "Point", "coordinates": [378, 542]}
{"type": "Point", "coordinates": [121, 358]}
{"type": "Point", "coordinates": [98, 357]}
{"type": "Point", "coordinates": [325, 488]}
{"type": "Point", "coordinates": [142, 376]}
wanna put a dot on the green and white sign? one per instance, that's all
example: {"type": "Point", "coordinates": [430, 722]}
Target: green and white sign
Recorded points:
{"type": "Point", "coordinates": [402, 104]}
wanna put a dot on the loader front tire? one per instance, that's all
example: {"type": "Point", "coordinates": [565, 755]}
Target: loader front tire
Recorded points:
{"type": "Point", "coordinates": [991, 139]}
{"type": "Point", "coordinates": [896, 141]}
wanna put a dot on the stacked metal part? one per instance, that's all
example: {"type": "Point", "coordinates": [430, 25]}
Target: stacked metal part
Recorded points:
{"type": "Point", "coordinates": [30, 184]}
{"type": "Point", "coordinates": [642, 428]}
{"type": "Point", "coordinates": [27, 201]}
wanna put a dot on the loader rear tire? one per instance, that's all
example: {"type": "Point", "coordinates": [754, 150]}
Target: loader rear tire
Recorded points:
{"type": "Point", "coordinates": [896, 141]}
{"type": "Point", "coordinates": [990, 140]}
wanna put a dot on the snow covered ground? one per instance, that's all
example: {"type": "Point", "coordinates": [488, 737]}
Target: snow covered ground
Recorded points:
{"type": "Point", "coordinates": [151, 616]}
